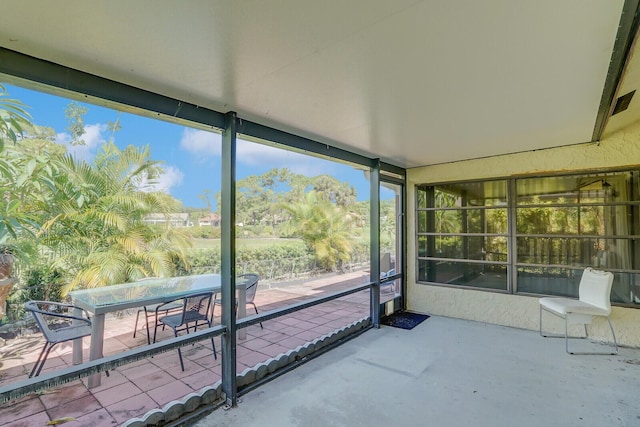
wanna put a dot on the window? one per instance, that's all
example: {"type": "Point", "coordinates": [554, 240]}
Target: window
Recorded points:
{"type": "Point", "coordinates": [532, 235]}
{"type": "Point", "coordinates": [462, 234]}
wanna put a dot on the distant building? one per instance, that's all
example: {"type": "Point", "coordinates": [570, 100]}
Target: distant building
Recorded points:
{"type": "Point", "coordinates": [211, 220]}
{"type": "Point", "coordinates": [175, 219]}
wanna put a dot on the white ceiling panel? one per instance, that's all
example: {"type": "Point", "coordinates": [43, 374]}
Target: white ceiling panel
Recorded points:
{"type": "Point", "coordinates": [412, 82]}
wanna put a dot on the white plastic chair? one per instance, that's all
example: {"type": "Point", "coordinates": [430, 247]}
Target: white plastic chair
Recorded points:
{"type": "Point", "coordinates": [594, 300]}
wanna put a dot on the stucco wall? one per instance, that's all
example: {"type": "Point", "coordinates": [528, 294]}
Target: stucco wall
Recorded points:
{"type": "Point", "coordinates": [621, 149]}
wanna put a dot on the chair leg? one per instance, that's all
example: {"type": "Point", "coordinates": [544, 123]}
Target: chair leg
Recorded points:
{"type": "Point", "coordinates": [175, 332]}
{"type": "Point", "coordinates": [545, 335]}
{"type": "Point", "coordinates": [256, 309]}
{"type": "Point", "coordinates": [146, 320]}
{"type": "Point", "coordinates": [45, 351]}
{"type": "Point", "coordinates": [213, 344]}
{"type": "Point", "coordinates": [615, 342]}
{"type": "Point", "coordinates": [35, 366]}
{"type": "Point", "coordinates": [135, 327]}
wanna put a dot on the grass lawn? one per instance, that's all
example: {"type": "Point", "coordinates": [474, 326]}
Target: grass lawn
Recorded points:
{"type": "Point", "coordinates": [247, 243]}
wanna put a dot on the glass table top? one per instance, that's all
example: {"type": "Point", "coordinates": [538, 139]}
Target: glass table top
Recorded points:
{"type": "Point", "coordinates": [145, 292]}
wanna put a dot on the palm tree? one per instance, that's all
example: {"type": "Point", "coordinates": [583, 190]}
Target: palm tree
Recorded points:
{"type": "Point", "coordinates": [96, 230]}
{"type": "Point", "coordinates": [17, 182]}
{"type": "Point", "coordinates": [324, 227]}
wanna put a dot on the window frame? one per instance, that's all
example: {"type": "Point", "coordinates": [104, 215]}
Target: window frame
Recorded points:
{"type": "Point", "coordinates": [425, 203]}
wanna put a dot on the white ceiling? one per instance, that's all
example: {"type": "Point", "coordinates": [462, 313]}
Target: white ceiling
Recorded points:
{"type": "Point", "coordinates": [414, 82]}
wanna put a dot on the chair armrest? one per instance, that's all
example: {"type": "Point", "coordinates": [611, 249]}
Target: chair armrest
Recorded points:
{"type": "Point", "coordinates": [34, 307]}
{"type": "Point", "coordinates": [161, 307]}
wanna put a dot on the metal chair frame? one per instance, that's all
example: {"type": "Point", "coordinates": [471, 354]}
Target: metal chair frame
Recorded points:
{"type": "Point", "coordinates": [594, 300]}
{"type": "Point", "coordinates": [195, 309]}
{"type": "Point", "coordinates": [251, 289]}
{"type": "Point", "coordinates": [80, 327]}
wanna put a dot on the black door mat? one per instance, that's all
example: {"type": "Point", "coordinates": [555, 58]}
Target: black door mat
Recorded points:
{"type": "Point", "coordinates": [404, 319]}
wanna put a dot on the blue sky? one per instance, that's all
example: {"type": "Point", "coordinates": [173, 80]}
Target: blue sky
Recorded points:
{"type": "Point", "coordinates": [191, 157]}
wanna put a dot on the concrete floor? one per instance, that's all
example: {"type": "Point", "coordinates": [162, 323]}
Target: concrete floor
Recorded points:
{"type": "Point", "coordinates": [448, 372]}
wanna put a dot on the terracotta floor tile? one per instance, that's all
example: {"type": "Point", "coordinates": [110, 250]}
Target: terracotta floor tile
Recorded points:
{"type": "Point", "coordinates": [291, 330]}
{"type": "Point", "coordinates": [140, 370]}
{"type": "Point", "coordinates": [121, 396]}
{"type": "Point", "coordinates": [21, 408]}
{"type": "Point", "coordinates": [273, 336]}
{"type": "Point", "coordinates": [292, 342]}
{"type": "Point", "coordinates": [55, 397]}
{"type": "Point", "coordinates": [309, 335]}
{"type": "Point", "coordinates": [190, 367]}
{"type": "Point", "coordinates": [75, 408]}
{"type": "Point", "coordinates": [274, 350]}
{"type": "Point", "coordinates": [99, 418]}
{"type": "Point", "coordinates": [131, 408]}
{"type": "Point", "coordinates": [208, 362]}
{"type": "Point", "coordinates": [168, 392]}
{"type": "Point", "coordinates": [116, 394]}
{"type": "Point", "coordinates": [254, 344]}
{"type": "Point", "coordinates": [115, 378]}
{"type": "Point", "coordinates": [252, 359]}
{"type": "Point", "coordinates": [39, 419]}
{"type": "Point", "coordinates": [201, 379]}
{"type": "Point", "coordinates": [152, 380]}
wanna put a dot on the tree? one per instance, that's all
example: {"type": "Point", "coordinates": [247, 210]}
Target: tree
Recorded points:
{"type": "Point", "coordinates": [96, 230]}
{"type": "Point", "coordinates": [341, 193]}
{"type": "Point", "coordinates": [20, 180]}
{"type": "Point", "coordinates": [324, 227]}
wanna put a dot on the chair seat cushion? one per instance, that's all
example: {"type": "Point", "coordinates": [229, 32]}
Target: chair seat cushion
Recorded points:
{"type": "Point", "coordinates": [562, 306]}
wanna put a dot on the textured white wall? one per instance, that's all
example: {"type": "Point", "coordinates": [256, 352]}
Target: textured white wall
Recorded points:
{"type": "Point", "coordinates": [620, 150]}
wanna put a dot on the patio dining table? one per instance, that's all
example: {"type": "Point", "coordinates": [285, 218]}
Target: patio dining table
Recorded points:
{"type": "Point", "coordinates": [108, 299]}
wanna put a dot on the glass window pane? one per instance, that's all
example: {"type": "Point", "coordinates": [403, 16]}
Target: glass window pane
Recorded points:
{"type": "Point", "coordinates": [549, 281]}
{"type": "Point", "coordinates": [464, 274]}
{"type": "Point", "coordinates": [483, 193]}
{"type": "Point", "coordinates": [547, 220]}
{"type": "Point", "coordinates": [422, 246]}
{"type": "Point", "coordinates": [421, 201]}
{"type": "Point", "coordinates": [626, 288]}
{"type": "Point", "coordinates": [481, 248]}
{"type": "Point", "coordinates": [583, 252]}
{"type": "Point", "coordinates": [422, 222]}
{"type": "Point", "coordinates": [566, 282]}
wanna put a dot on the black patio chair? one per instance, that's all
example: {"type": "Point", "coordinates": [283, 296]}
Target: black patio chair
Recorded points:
{"type": "Point", "coordinates": [56, 326]}
{"type": "Point", "coordinates": [195, 312]}
{"type": "Point", "coordinates": [252, 287]}
{"type": "Point", "coordinates": [149, 311]}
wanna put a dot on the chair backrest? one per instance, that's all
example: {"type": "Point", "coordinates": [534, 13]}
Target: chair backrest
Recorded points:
{"type": "Point", "coordinates": [38, 315]}
{"type": "Point", "coordinates": [595, 288]}
{"type": "Point", "coordinates": [252, 285]}
{"type": "Point", "coordinates": [196, 307]}
{"type": "Point", "coordinates": [46, 313]}
{"type": "Point", "coordinates": [385, 262]}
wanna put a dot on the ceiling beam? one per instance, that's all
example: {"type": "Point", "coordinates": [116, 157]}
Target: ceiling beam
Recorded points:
{"type": "Point", "coordinates": [627, 30]}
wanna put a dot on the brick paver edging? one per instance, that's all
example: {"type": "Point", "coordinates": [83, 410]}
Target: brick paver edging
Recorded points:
{"type": "Point", "coordinates": [209, 395]}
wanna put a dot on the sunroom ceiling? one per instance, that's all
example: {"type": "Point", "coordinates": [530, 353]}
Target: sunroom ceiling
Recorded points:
{"type": "Point", "coordinates": [414, 82]}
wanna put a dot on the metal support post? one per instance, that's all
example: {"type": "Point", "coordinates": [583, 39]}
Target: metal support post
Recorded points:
{"type": "Point", "coordinates": [228, 262]}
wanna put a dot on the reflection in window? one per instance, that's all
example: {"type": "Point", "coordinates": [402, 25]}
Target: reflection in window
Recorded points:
{"type": "Point", "coordinates": [561, 224]}
{"type": "Point", "coordinates": [462, 236]}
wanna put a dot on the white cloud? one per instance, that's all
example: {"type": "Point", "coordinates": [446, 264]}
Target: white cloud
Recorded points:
{"type": "Point", "coordinates": [170, 178]}
{"type": "Point", "coordinates": [92, 138]}
{"type": "Point", "coordinates": [201, 143]}
{"type": "Point", "coordinates": [254, 154]}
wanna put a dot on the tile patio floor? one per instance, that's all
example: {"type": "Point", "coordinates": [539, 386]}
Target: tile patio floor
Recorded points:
{"type": "Point", "coordinates": [132, 390]}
